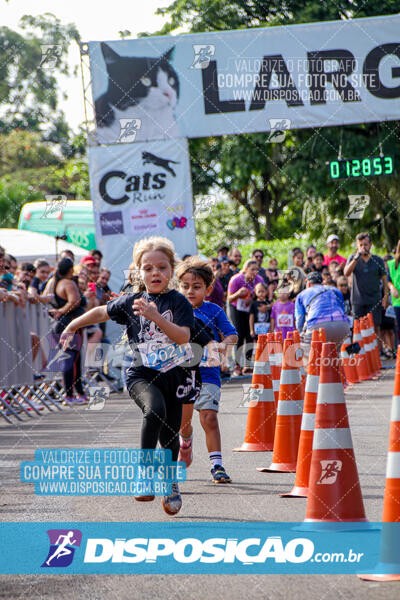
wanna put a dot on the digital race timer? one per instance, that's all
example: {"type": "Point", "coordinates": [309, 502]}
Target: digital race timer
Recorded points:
{"type": "Point", "coordinates": [361, 167]}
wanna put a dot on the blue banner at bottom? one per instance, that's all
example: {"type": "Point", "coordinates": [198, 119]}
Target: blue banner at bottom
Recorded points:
{"type": "Point", "coordinates": [194, 548]}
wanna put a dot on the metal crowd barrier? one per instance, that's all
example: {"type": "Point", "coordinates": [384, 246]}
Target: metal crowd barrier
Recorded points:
{"type": "Point", "coordinates": [23, 392]}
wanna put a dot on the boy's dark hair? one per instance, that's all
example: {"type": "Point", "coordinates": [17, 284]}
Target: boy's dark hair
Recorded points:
{"type": "Point", "coordinates": [198, 267]}
{"type": "Point", "coordinates": [319, 254]}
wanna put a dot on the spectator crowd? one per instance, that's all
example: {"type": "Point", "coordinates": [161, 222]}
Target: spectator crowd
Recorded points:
{"type": "Point", "coordinates": [317, 287]}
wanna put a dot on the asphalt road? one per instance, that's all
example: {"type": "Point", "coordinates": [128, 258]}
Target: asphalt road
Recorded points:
{"type": "Point", "coordinates": [253, 496]}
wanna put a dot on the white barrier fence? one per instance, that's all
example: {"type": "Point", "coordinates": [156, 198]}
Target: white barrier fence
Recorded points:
{"type": "Point", "coordinates": [22, 390]}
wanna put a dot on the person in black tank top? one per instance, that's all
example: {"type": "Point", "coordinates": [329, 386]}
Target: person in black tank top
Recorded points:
{"type": "Point", "coordinates": [68, 304]}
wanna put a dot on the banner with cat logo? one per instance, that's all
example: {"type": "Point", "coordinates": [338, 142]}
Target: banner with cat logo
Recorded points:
{"type": "Point", "coordinates": [139, 190]}
{"type": "Point", "coordinates": [262, 79]}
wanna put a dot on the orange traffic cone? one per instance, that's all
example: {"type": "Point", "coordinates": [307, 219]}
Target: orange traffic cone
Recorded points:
{"type": "Point", "coordinates": [275, 360]}
{"type": "Point", "coordinates": [349, 363]}
{"type": "Point", "coordinates": [322, 334]}
{"type": "Point", "coordinates": [368, 346]}
{"type": "Point", "coordinates": [373, 345]}
{"type": "Point", "coordinates": [390, 544]}
{"type": "Point", "coordinates": [290, 408]}
{"type": "Point", "coordinates": [362, 363]}
{"type": "Point", "coordinates": [300, 489]}
{"type": "Point", "coordinates": [296, 338]}
{"type": "Point", "coordinates": [334, 490]}
{"type": "Point", "coordinates": [376, 346]}
{"type": "Point", "coordinates": [260, 426]}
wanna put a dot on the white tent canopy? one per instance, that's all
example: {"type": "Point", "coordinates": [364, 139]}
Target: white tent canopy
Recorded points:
{"type": "Point", "coordinates": [27, 246]}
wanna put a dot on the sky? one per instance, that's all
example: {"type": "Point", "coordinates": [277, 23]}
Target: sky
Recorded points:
{"type": "Point", "coordinates": [95, 20]}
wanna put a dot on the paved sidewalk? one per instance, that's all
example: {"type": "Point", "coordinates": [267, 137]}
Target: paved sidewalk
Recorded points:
{"type": "Point", "coordinates": [252, 496]}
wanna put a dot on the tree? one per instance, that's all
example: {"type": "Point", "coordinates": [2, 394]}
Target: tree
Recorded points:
{"type": "Point", "coordinates": [29, 66]}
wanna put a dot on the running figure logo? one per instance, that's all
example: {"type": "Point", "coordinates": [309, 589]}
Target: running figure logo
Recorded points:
{"type": "Point", "coordinates": [329, 471]}
{"type": "Point", "coordinates": [202, 55]}
{"type": "Point", "coordinates": [278, 127]}
{"type": "Point", "coordinates": [51, 54]}
{"type": "Point", "coordinates": [129, 129]}
{"type": "Point", "coordinates": [63, 543]}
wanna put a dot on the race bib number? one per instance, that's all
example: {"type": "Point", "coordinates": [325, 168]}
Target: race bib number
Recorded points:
{"type": "Point", "coordinates": [284, 320]}
{"type": "Point", "coordinates": [242, 306]}
{"type": "Point", "coordinates": [260, 328]}
{"type": "Point", "coordinates": [164, 357]}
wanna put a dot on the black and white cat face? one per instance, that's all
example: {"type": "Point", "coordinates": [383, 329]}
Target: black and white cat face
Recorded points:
{"type": "Point", "coordinates": [151, 82]}
{"type": "Point", "coordinates": [149, 332]}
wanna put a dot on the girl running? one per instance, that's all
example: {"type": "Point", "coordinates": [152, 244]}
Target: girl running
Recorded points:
{"type": "Point", "coordinates": [162, 315]}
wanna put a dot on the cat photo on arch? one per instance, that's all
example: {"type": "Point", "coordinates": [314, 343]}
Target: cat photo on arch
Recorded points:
{"type": "Point", "coordinates": [140, 89]}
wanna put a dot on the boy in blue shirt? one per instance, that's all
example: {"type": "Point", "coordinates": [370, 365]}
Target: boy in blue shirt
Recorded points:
{"type": "Point", "coordinates": [196, 278]}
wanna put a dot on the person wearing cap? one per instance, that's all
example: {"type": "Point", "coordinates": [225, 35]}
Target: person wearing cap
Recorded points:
{"type": "Point", "coordinates": [321, 306]}
{"type": "Point", "coordinates": [333, 245]}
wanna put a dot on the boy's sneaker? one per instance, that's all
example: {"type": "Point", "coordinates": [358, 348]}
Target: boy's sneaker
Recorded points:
{"type": "Point", "coordinates": [185, 451]}
{"type": "Point", "coordinates": [220, 475]}
{"type": "Point", "coordinates": [172, 504]}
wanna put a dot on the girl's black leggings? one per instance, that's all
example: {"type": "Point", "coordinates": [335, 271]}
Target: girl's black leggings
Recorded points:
{"type": "Point", "coordinates": [162, 417]}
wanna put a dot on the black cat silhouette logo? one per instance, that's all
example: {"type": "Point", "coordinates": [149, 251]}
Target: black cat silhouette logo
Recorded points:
{"type": "Point", "coordinates": [148, 157]}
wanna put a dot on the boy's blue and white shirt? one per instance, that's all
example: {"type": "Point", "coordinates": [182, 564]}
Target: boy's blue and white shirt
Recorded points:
{"type": "Point", "coordinates": [214, 317]}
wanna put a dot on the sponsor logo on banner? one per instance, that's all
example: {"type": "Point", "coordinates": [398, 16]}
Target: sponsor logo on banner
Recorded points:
{"type": "Point", "coordinates": [176, 222]}
{"type": "Point", "coordinates": [115, 184]}
{"type": "Point", "coordinates": [111, 223]}
{"type": "Point", "coordinates": [63, 543]}
{"type": "Point", "coordinates": [329, 471]}
{"type": "Point", "coordinates": [158, 161]}
{"type": "Point", "coordinates": [144, 220]}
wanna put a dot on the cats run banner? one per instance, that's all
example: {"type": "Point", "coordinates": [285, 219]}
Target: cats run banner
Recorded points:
{"type": "Point", "coordinates": [139, 190]}
{"type": "Point", "coordinates": [269, 79]}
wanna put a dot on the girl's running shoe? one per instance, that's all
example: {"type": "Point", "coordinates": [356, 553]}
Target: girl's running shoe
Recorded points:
{"type": "Point", "coordinates": [219, 475]}
{"type": "Point", "coordinates": [144, 498]}
{"type": "Point", "coordinates": [172, 504]}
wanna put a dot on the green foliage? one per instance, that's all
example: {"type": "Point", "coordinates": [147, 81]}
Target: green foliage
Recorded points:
{"type": "Point", "coordinates": [24, 150]}
{"type": "Point", "coordinates": [12, 196]}
{"type": "Point", "coordinates": [224, 223]}
{"type": "Point", "coordinates": [28, 89]}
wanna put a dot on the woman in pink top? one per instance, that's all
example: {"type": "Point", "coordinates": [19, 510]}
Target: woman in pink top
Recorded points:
{"type": "Point", "coordinates": [240, 293]}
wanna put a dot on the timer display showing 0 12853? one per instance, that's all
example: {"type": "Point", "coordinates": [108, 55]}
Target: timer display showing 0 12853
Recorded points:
{"type": "Point", "coordinates": [361, 167]}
